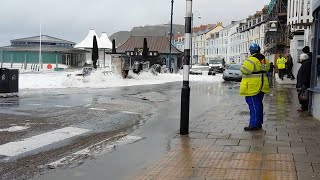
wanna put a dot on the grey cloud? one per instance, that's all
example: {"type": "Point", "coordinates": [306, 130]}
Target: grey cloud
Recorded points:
{"type": "Point", "coordinates": [71, 19]}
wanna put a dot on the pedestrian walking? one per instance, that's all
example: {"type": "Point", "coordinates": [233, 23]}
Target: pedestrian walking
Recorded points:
{"type": "Point", "coordinates": [289, 66]}
{"type": "Point", "coordinates": [270, 74]}
{"type": "Point", "coordinates": [303, 79]}
{"type": "Point", "coordinates": [281, 63]}
{"type": "Point", "coordinates": [254, 85]}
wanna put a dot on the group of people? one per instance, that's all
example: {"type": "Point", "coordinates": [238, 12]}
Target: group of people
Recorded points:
{"type": "Point", "coordinates": [257, 71]}
{"type": "Point", "coordinates": [285, 67]}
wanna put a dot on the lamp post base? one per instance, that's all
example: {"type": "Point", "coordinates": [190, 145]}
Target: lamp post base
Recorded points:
{"type": "Point", "coordinates": [185, 106]}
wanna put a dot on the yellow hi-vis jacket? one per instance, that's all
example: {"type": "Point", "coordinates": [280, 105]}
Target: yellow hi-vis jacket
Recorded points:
{"type": "Point", "coordinates": [254, 79]}
{"type": "Point", "coordinates": [281, 62]}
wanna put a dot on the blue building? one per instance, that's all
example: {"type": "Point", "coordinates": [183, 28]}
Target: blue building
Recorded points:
{"type": "Point", "coordinates": [52, 50]}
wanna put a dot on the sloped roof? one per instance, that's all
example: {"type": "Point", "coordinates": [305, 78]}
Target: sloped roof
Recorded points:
{"type": "Point", "coordinates": [88, 41]}
{"type": "Point", "coordinates": [44, 38]}
{"type": "Point", "coordinates": [155, 43]}
{"type": "Point", "coordinates": [105, 41]}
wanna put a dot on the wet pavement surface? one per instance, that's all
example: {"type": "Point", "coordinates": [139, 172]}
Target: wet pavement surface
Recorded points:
{"type": "Point", "coordinates": [218, 147]}
{"type": "Point", "coordinates": [133, 134]}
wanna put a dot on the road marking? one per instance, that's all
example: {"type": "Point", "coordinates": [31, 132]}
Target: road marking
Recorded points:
{"type": "Point", "coordinates": [95, 150]}
{"type": "Point", "coordinates": [14, 128]}
{"type": "Point", "coordinates": [62, 106]}
{"type": "Point", "coordinates": [34, 104]}
{"type": "Point", "coordinates": [128, 112]}
{"type": "Point", "coordinates": [97, 109]}
{"type": "Point", "coordinates": [87, 105]}
{"type": "Point", "coordinates": [19, 147]}
{"type": "Point", "coordinates": [6, 103]}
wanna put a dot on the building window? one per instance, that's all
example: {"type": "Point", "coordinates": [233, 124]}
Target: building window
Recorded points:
{"type": "Point", "coordinates": [289, 9]}
{"type": "Point", "coordinates": [302, 8]}
{"type": "Point", "coordinates": [297, 6]}
{"type": "Point", "coordinates": [292, 12]}
{"type": "Point", "coordinates": [308, 8]}
{"type": "Point", "coordinates": [300, 43]}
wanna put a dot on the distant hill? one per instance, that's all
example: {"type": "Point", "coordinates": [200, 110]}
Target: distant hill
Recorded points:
{"type": "Point", "coordinates": [156, 30]}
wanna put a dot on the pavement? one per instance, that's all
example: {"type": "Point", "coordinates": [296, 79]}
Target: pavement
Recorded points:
{"type": "Point", "coordinates": [218, 148]}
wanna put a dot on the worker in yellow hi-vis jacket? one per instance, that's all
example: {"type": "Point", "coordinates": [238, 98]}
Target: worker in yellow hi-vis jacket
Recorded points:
{"type": "Point", "coordinates": [281, 63]}
{"type": "Point", "coordinates": [254, 85]}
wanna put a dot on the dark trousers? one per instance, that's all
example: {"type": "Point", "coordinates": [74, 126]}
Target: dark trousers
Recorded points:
{"type": "Point", "coordinates": [290, 74]}
{"type": "Point", "coordinates": [282, 72]}
{"type": "Point", "coordinates": [256, 110]}
{"type": "Point", "coordinates": [270, 78]}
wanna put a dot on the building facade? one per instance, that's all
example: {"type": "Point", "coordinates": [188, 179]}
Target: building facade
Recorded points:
{"type": "Point", "coordinates": [221, 44]}
{"type": "Point", "coordinates": [158, 46]}
{"type": "Point", "coordinates": [299, 25]}
{"type": "Point", "coordinates": [199, 41]}
{"type": "Point", "coordinates": [232, 42]}
{"type": "Point", "coordinates": [53, 50]}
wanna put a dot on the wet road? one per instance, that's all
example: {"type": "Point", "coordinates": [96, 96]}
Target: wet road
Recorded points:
{"type": "Point", "coordinates": [120, 130]}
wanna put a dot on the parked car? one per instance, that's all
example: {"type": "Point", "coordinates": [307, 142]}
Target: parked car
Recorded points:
{"type": "Point", "coordinates": [232, 73]}
{"type": "Point", "coordinates": [195, 71]}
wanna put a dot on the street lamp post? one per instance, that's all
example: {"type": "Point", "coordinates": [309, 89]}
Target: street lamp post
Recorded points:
{"type": "Point", "coordinates": [185, 93]}
{"type": "Point", "coordinates": [171, 29]}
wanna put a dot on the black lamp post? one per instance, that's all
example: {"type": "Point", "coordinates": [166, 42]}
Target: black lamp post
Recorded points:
{"type": "Point", "coordinates": [171, 29]}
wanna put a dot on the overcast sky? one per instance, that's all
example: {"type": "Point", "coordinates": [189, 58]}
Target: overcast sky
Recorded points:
{"type": "Point", "coordinates": [72, 19]}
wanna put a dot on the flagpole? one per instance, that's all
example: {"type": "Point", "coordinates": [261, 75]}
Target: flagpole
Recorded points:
{"type": "Point", "coordinates": [40, 54]}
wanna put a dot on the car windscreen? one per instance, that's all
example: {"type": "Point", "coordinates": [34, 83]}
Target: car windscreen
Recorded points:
{"type": "Point", "coordinates": [215, 61]}
{"type": "Point", "coordinates": [234, 67]}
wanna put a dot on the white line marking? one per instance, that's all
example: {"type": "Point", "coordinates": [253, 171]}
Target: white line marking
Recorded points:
{"type": "Point", "coordinates": [97, 109]}
{"type": "Point", "coordinates": [14, 128]}
{"type": "Point", "coordinates": [95, 150]}
{"type": "Point", "coordinates": [62, 106]}
{"type": "Point", "coordinates": [87, 105]}
{"type": "Point", "coordinates": [19, 147]}
{"type": "Point", "coordinates": [128, 112]}
{"type": "Point", "coordinates": [6, 103]}
{"type": "Point", "coordinates": [34, 104]}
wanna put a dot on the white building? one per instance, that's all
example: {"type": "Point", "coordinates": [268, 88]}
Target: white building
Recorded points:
{"type": "Point", "coordinates": [252, 30]}
{"type": "Point", "coordinates": [221, 44]}
{"type": "Point", "coordinates": [232, 43]}
{"type": "Point", "coordinates": [299, 23]}
{"type": "Point", "coordinates": [199, 41]}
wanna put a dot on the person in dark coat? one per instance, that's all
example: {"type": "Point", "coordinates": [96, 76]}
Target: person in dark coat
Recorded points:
{"type": "Point", "coordinates": [304, 76]}
{"type": "Point", "coordinates": [270, 74]}
{"type": "Point", "coordinates": [289, 66]}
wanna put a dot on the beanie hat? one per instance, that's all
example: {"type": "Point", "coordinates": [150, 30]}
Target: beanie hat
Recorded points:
{"type": "Point", "coordinates": [306, 49]}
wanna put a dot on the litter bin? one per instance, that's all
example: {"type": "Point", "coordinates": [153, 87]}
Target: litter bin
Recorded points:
{"type": "Point", "coordinates": [13, 80]}
{"type": "Point", "coordinates": [4, 80]}
{"type": "Point", "coordinates": [9, 80]}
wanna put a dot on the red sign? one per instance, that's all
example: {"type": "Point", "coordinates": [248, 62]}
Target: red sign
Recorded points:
{"type": "Point", "coordinates": [49, 66]}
